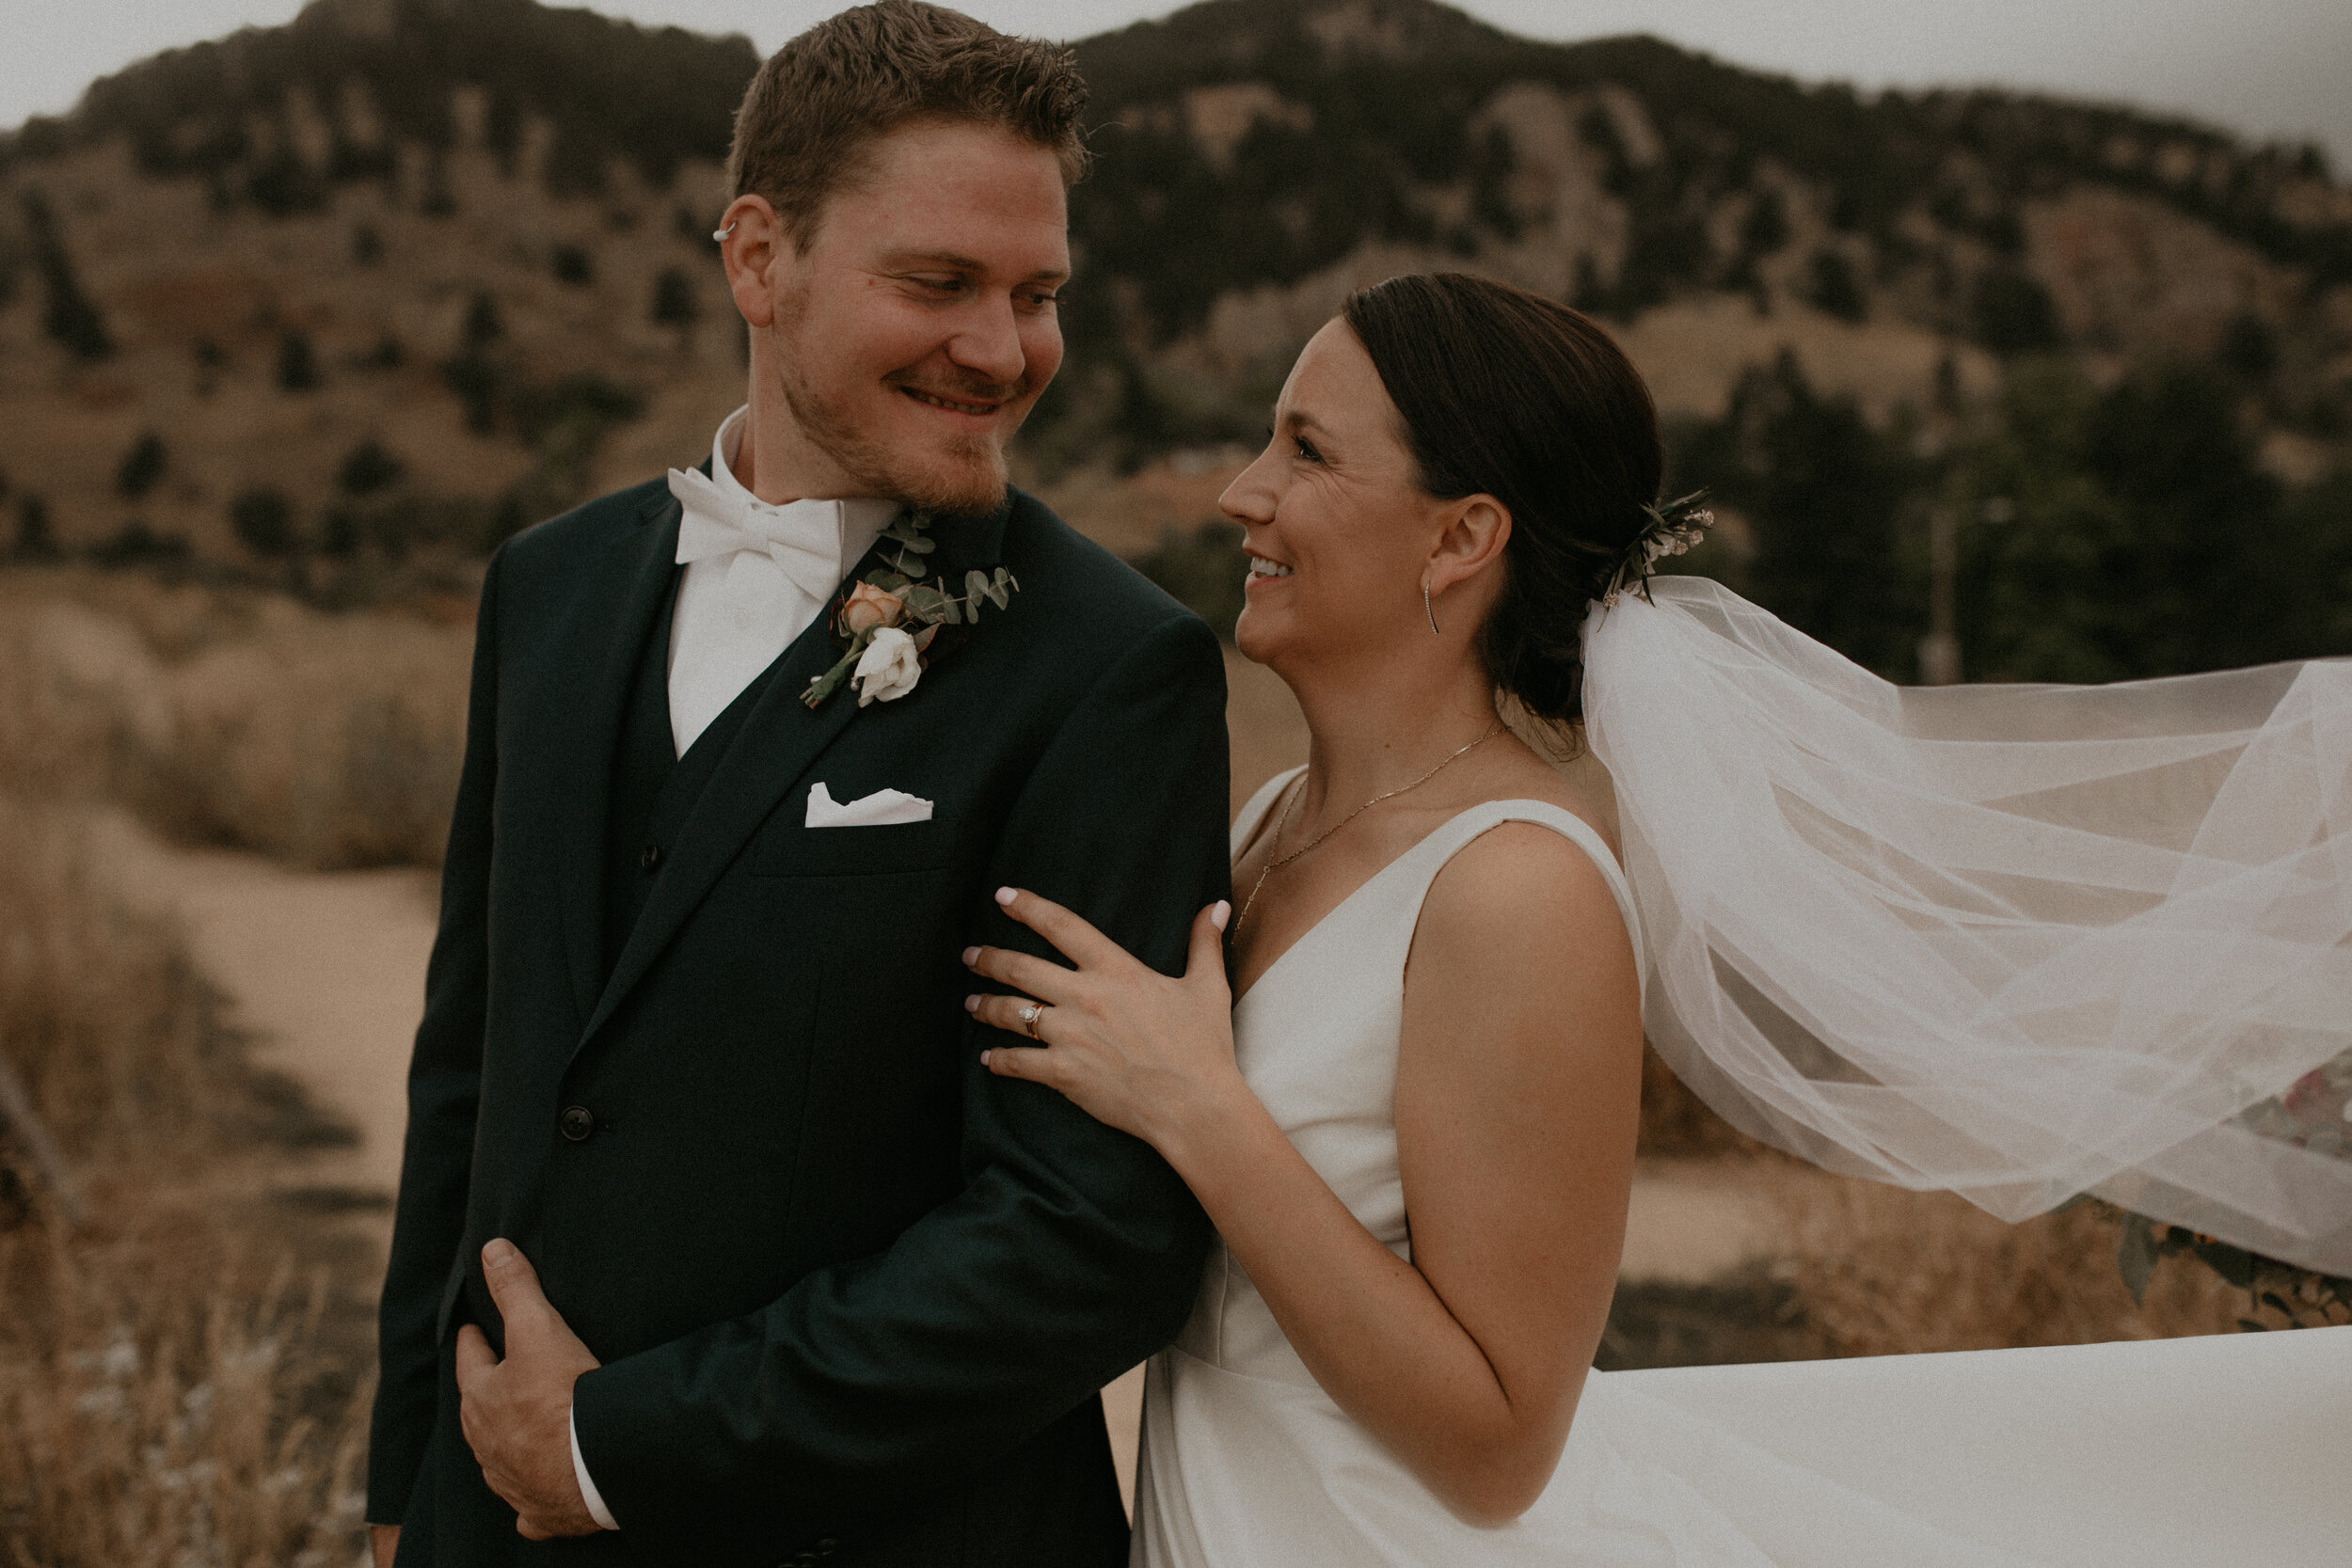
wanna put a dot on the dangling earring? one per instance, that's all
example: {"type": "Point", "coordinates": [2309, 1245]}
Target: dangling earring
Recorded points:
{"type": "Point", "coordinates": [1427, 610]}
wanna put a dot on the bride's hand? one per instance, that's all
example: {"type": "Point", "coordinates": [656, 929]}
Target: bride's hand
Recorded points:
{"type": "Point", "coordinates": [1128, 1045]}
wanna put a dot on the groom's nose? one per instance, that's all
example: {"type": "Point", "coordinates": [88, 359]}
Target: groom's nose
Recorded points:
{"type": "Point", "coordinates": [988, 343]}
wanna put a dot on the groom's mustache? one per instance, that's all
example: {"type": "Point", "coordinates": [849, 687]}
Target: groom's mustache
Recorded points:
{"type": "Point", "coordinates": [964, 389]}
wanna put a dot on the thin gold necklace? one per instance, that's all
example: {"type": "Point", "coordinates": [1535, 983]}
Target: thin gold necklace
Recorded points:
{"type": "Point", "coordinates": [1292, 804]}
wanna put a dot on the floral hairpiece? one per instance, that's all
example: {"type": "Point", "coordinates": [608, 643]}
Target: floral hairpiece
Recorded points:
{"type": "Point", "coordinates": [1672, 527]}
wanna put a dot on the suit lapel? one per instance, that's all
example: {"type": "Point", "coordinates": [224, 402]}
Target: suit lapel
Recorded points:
{"type": "Point", "coordinates": [780, 741]}
{"type": "Point", "coordinates": [614, 618]}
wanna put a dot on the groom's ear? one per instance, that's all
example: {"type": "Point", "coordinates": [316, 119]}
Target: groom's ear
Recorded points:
{"type": "Point", "coordinates": [755, 247]}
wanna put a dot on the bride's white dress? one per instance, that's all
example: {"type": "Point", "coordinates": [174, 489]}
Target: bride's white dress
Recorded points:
{"type": "Point", "coordinates": [1247, 1462]}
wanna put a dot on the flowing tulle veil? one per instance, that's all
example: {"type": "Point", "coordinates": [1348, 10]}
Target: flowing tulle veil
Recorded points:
{"type": "Point", "coordinates": [2022, 942]}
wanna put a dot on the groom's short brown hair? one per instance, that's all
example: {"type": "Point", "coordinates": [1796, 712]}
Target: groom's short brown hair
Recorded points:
{"type": "Point", "coordinates": [826, 96]}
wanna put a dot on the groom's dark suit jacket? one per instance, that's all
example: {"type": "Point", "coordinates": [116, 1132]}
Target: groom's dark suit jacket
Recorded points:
{"type": "Point", "coordinates": [710, 1069]}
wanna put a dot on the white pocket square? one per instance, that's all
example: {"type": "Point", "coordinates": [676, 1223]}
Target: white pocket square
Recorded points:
{"type": "Point", "coordinates": [878, 810]}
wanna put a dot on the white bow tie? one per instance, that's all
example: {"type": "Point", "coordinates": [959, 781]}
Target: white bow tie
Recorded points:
{"type": "Point", "coordinates": [803, 538]}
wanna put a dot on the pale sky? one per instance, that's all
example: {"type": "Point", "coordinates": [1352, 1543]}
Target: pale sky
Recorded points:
{"type": "Point", "coordinates": [2264, 68]}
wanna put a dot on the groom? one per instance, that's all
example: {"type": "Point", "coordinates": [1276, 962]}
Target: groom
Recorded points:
{"type": "Point", "coordinates": [715, 1244]}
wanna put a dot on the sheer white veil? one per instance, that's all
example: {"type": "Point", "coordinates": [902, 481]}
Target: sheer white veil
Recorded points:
{"type": "Point", "coordinates": [2022, 942]}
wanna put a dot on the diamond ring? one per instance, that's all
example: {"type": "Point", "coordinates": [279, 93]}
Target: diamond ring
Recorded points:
{"type": "Point", "coordinates": [1029, 1015]}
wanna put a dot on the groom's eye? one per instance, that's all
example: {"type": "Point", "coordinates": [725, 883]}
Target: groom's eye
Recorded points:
{"type": "Point", "coordinates": [1306, 449]}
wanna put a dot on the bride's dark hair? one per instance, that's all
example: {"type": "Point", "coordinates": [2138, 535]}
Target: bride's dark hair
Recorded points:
{"type": "Point", "coordinates": [1512, 395]}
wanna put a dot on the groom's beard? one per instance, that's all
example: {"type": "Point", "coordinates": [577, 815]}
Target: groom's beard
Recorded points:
{"type": "Point", "coordinates": [963, 475]}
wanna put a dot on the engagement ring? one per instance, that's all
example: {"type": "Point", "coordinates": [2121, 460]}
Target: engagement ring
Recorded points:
{"type": "Point", "coordinates": [1029, 1016]}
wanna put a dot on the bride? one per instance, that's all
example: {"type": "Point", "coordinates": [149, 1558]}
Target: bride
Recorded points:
{"type": "Point", "coordinates": [1410, 1109]}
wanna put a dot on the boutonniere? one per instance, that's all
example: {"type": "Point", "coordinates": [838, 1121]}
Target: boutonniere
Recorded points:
{"type": "Point", "coordinates": [889, 623]}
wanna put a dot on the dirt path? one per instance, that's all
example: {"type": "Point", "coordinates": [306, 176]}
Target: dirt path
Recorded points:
{"type": "Point", "coordinates": [327, 970]}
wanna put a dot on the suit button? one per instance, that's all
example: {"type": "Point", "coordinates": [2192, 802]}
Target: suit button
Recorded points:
{"type": "Point", "coordinates": [650, 859]}
{"type": "Point", "coordinates": [576, 1122]}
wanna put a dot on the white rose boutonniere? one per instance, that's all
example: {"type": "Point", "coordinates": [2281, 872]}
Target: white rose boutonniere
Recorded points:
{"type": "Point", "coordinates": [888, 625]}
{"type": "Point", "coordinates": [889, 668]}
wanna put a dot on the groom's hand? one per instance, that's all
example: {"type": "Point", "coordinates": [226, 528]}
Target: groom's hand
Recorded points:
{"type": "Point", "coordinates": [517, 1413]}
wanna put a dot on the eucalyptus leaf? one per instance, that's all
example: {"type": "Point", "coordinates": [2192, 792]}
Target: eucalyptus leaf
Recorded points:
{"type": "Point", "coordinates": [924, 601]}
{"type": "Point", "coordinates": [951, 611]}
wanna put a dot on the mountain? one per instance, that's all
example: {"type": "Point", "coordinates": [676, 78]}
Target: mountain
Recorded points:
{"type": "Point", "coordinates": [374, 288]}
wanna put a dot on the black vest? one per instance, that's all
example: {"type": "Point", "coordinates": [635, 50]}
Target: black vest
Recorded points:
{"type": "Point", "coordinates": [653, 789]}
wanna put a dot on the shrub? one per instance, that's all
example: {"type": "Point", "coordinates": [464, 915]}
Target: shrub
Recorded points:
{"type": "Point", "coordinates": [68, 314]}
{"type": "Point", "coordinates": [297, 364]}
{"type": "Point", "coordinates": [483, 326]}
{"type": "Point", "coordinates": [1835, 288]}
{"type": "Point", "coordinates": [2013, 313]}
{"type": "Point", "coordinates": [478, 381]}
{"type": "Point", "coordinates": [1765, 229]}
{"type": "Point", "coordinates": [264, 522]}
{"type": "Point", "coordinates": [2249, 347]}
{"type": "Point", "coordinates": [367, 468]}
{"type": "Point", "coordinates": [141, 466]}
{"type": "Point", "coordinates": [673, 297]}
{"type": "Point", "coordinates": [136, 545]}
{"type": "Point", "coordinates": [34, 541]}
{"type": "Point", "coordinates": [573, 266]}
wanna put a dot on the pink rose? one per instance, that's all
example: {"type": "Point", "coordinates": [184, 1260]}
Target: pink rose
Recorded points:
{"type": "Point", "coordinates": [868, 607]}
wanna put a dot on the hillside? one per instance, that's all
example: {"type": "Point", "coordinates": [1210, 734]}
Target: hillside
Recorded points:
{"type": "Point", "coordinates": [347, 300]}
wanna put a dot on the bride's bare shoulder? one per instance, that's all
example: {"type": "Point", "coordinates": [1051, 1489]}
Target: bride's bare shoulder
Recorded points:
{"type": "Point", "coordinates": [1578, 786]}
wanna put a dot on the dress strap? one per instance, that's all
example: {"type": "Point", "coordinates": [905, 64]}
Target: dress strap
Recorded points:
{"type": "Point", "coordinates": [1252, 813]}
{"type": "Point", "coordinates": [1431, 854]}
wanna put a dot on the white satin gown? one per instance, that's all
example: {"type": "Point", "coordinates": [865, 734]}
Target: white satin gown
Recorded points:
{"type": "Point", "coordinates": [1245, 1462]}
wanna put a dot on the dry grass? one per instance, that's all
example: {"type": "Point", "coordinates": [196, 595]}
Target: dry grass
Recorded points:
{"type": "Point", "coordinates": [327, 741]}
{"type": "Point", "coordinates": [167, 1396]}
{"type": "Point", "coordinates": [1880, 1271]}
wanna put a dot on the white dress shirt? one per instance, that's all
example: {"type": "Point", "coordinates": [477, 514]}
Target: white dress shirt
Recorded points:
{"type": "Point", "coordinates": [756, 576]}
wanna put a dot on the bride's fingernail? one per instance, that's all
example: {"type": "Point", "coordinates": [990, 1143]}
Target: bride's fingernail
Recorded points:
{"type": "Point", "coordinates": [1006, 896]}
{"type": "Point", "coordinates": [970, 955]}
{"type": "Point", "coordinates": [985, 1056]}
{"type": "Point", "coordinates": [1220, 915]}
{"type": "Point", "coordinates": [971, 1004]}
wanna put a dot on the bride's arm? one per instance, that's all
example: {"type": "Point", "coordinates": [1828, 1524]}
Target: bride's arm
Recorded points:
{"type": "Point", "coordinates": [1518, 1091]}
